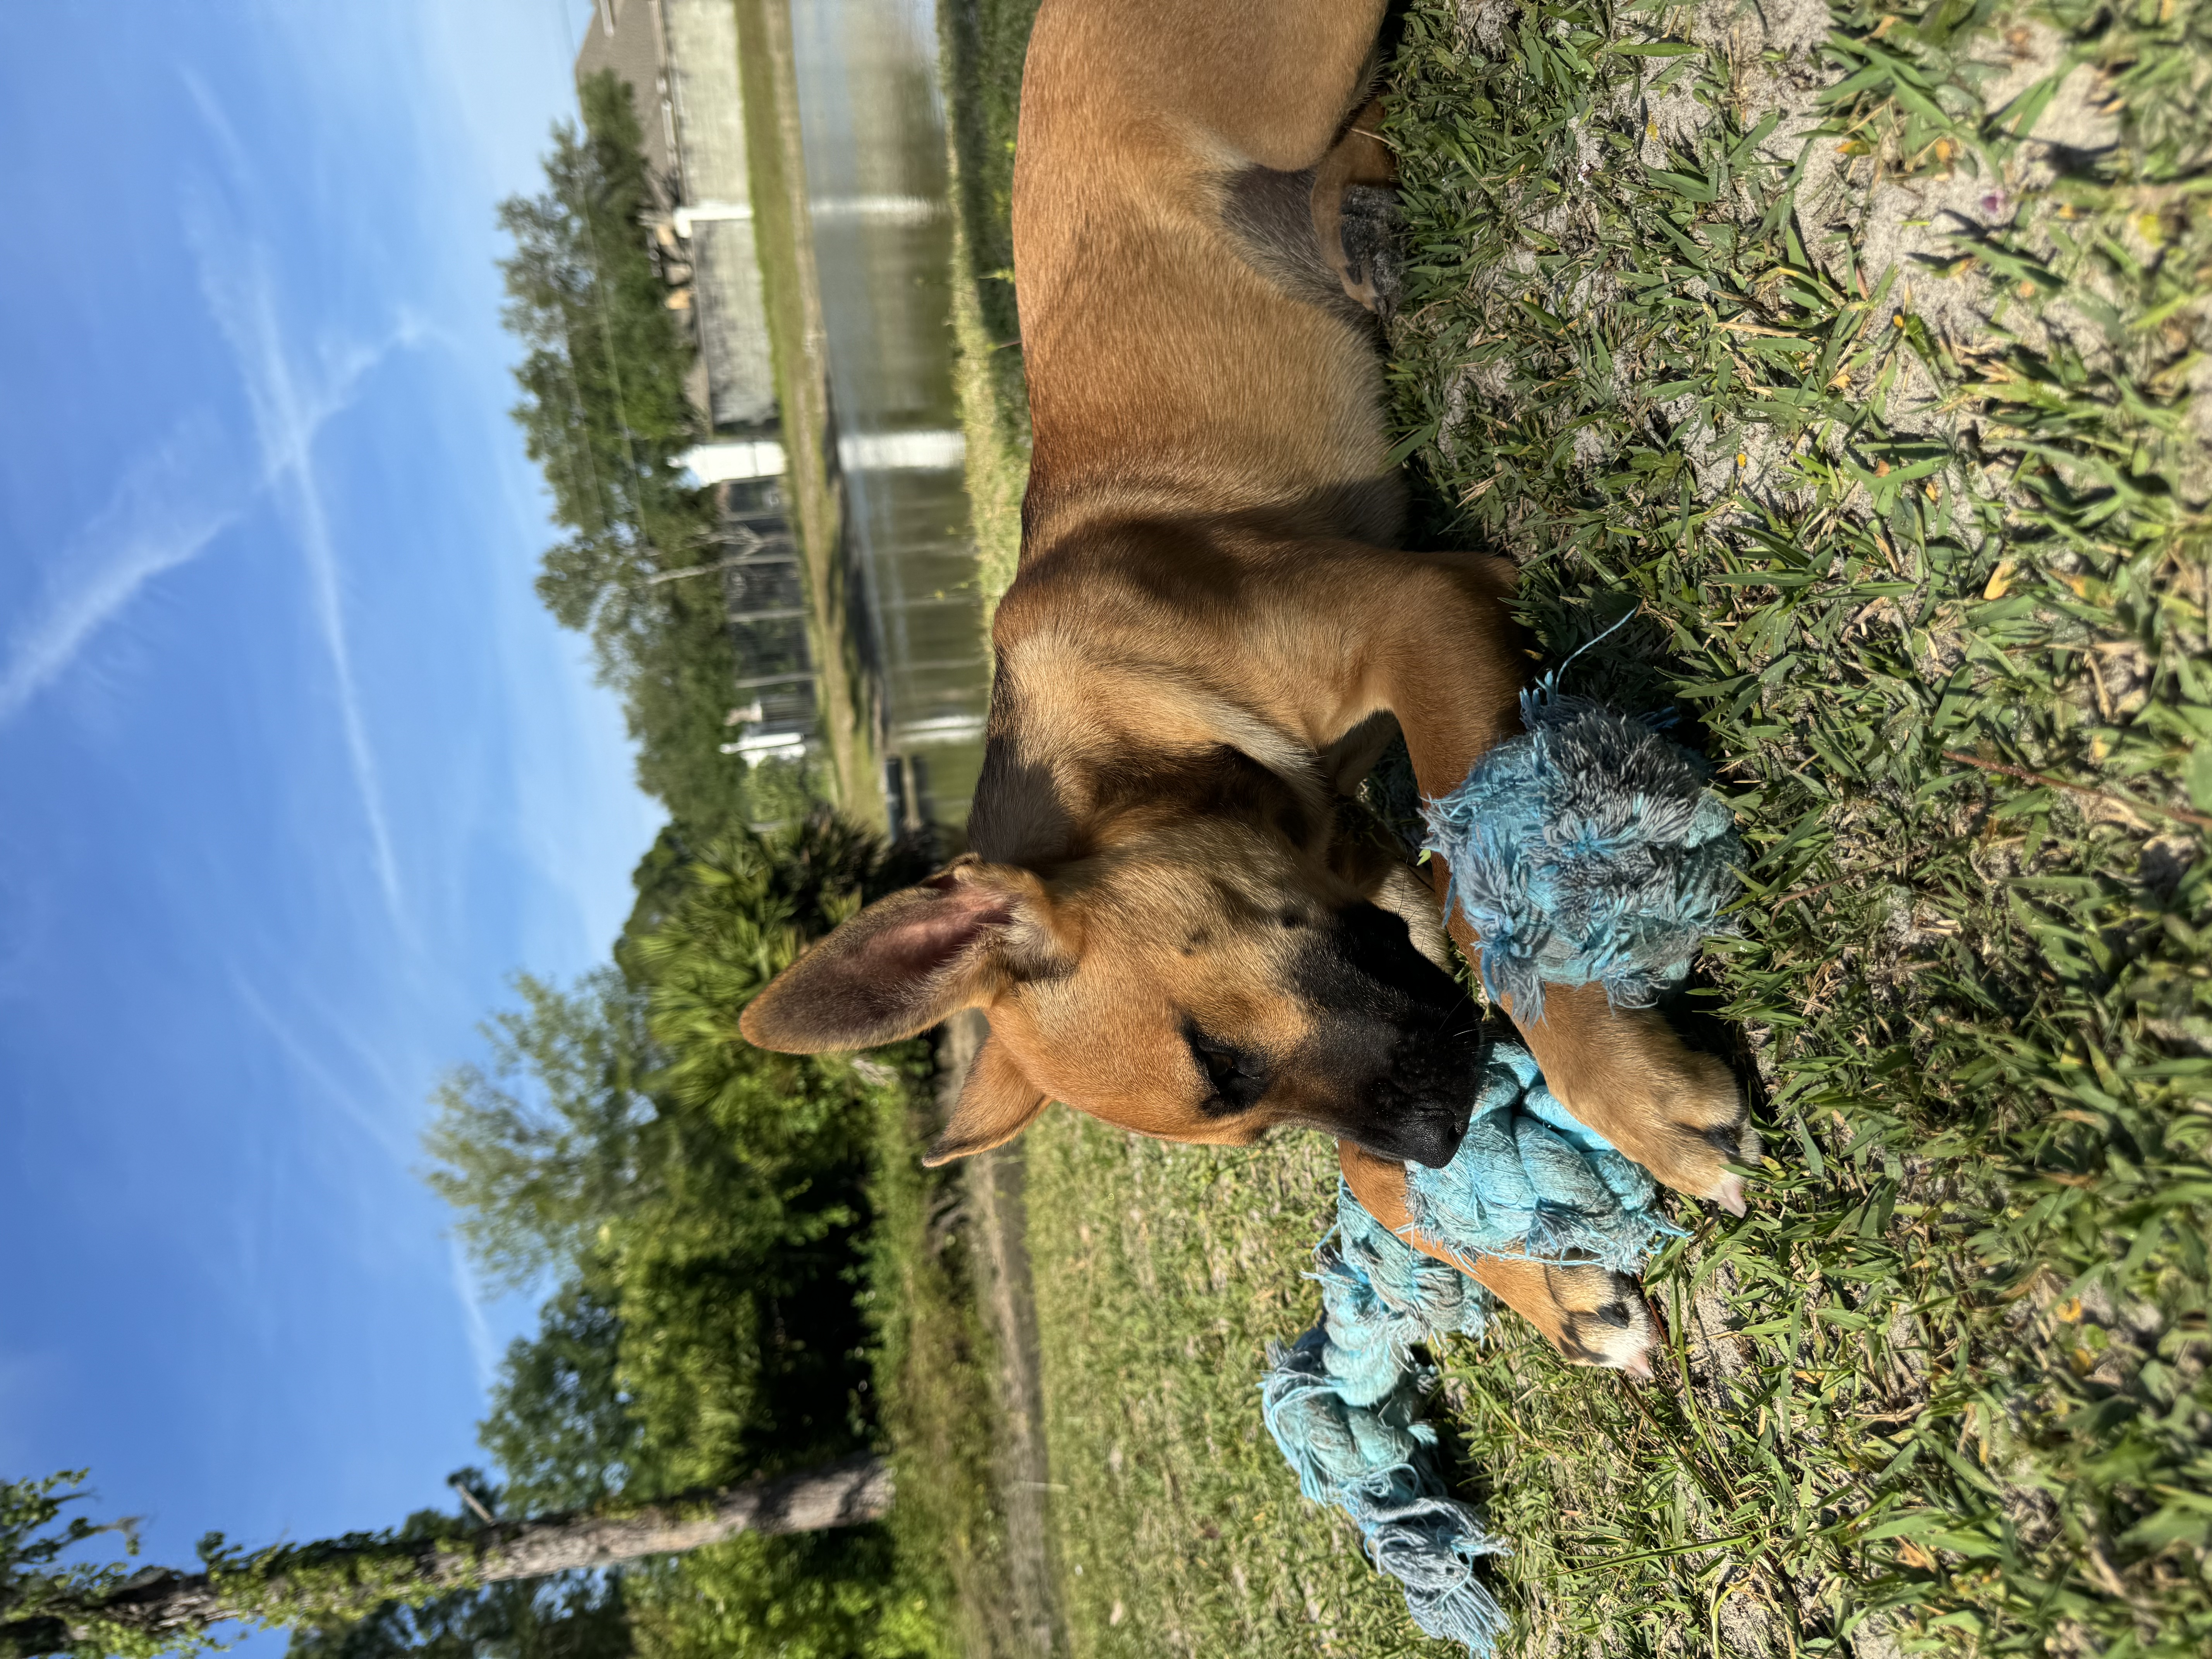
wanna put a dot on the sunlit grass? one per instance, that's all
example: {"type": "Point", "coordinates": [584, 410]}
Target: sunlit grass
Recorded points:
{"type": "Point", "coordinates": [1912, 507]}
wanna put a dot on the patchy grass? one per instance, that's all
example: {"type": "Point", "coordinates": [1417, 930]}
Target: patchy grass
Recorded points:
{"type": "Point", "coordinates": [1859, 354]}
{"type": "Point", "coordinates": [792, 296]}
{"type": "Point", "coordinates": [1877, 411]}
{"type": "Point", "coordinates": [1162, 1272]}
{"type": "Point", "coordinates": [934, 1383]}
{"type": "Point", "coordinates": [980, 45]}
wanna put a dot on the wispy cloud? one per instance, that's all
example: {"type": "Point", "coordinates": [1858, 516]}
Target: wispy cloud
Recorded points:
{"type": "Point", "coordinates": [157, 519]}
{"type": "Point", "coordinates": [481, 1343]}
{"type": "Point", "coordinates": [388, 1135]}
{"type": "Point", "coordinates": [292, 399]}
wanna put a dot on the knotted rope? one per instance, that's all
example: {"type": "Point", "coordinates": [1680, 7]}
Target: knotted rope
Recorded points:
{"type": "Point", "coordinates": [1344, 1403]}
{"type": "Point", "coordinates": [1588, 850]}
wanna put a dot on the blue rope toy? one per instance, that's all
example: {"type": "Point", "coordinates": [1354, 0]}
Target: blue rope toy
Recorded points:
{"type": "Point", "coordinates": [1588, 850]}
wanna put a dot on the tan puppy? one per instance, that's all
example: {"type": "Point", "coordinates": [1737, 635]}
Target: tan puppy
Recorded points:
{"type": "Point", "coordinates": [1212, 637]}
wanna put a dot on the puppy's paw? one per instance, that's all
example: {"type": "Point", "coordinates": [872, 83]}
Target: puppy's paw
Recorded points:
{"type": "Point", "coordinates": [1690, 1119]}
{"type": "Point", "coordinates": [1591, 1315]}
{"type": "Point", "coordinates": [1373, 267]}
{"type": "Point", "coordinates": [1677, 1112]}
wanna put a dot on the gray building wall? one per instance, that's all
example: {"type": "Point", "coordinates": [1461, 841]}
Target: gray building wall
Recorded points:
{"type": "Point", "coordinates": [710, 134]}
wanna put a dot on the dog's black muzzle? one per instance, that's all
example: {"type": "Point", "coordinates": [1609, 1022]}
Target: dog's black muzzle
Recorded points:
{"type": "Point", "coordinates": [1400, 1039]}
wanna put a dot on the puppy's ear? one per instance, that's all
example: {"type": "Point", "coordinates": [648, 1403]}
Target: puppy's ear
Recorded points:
{"type": "Point", "coordinates": [997, 1102]}
{"type": "Point", "coordinates": [906, 962]}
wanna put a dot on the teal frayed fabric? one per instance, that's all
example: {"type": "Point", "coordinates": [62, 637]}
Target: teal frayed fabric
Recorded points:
{"type": "Point", "coordinates": [1530, 1182]}
{"type": "Point", "coordinates": [1343, 1403]}
{"type": "Point", "coordinates": [1586, 850]}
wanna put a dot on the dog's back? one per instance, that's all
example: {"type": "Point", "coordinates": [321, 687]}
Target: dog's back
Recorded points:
{"type": "Point", "coordinates": [1183, 363]}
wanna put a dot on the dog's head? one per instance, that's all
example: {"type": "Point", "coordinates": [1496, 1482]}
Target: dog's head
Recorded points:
{"type": "Point", "coordinates": [1214, 960]}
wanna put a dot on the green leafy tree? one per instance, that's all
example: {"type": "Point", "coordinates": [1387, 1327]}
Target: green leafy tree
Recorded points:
{"type": "Point", "coordinates": [752, 902]}
{"type": "Point", "coordinates": [37, 1585]}
{"type": "Point", "coordinates": [822, 1596]}
{"type": "Point", "coordinates": [758, 1229]}
{"type": "Point", "coordinates": [561, 1425]}
{"type": "Point", "coordinates": [705, 1207]}
{"type": "Point", "coordinates": [702, 1203]}
{"type": "Point", "coordinates": [556, 1135]}
{"type": "Point", "coordinates": [572, 1615]}
{"type": "Point", "coordinates": [604, 415]}
{"type": "Point", "coordinates": [603, 412]}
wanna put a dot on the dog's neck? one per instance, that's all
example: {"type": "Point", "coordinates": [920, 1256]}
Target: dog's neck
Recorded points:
{"type": "Point", "coordinates": [1076, 745]}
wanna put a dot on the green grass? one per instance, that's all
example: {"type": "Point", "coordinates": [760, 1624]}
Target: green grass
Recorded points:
{"type": "Point", "coordinates": [981, 45]}
{"type": "Point", "coordinates": [1162, 1272]}
{"type": "Point", "coordinates": [1914, 518]}
{"type": "Point", "coordinates": [934, 1391]}
{"type": "Point", "coordinates": [791, 295]}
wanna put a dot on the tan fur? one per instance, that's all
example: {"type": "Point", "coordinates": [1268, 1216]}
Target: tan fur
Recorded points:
{"type": "Point", "coordinates": [1211, 634]}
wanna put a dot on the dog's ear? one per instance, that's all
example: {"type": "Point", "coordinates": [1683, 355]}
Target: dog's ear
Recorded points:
{"type": "Point", "coordinates": [997, 1102]}
{"type": "Point", "coordinates": [907, 962]}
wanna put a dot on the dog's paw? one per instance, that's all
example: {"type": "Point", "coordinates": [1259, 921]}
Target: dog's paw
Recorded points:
{"type": "Point", "coordinates": [1677, 1112]}
{"type": "Point", "coordinates": [1603, 1320]}
{"type": "Point", "coordinates": [1591, 1315]}
{"type": "Point", "coordinates": [1374, 268]}
{"type": "Point", "coordinates": [1691, 1119]}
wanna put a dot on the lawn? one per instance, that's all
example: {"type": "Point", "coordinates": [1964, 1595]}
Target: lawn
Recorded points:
{"type": "Point", "coordinates": [1855, 353]}
{"type": "Point", "coordinates": [776, 171]}
{"type": "Point", "coordinates": [981, 45]}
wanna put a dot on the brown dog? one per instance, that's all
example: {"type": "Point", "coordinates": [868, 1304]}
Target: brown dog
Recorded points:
{"type": "Point", "coordinates": [1211, 639]}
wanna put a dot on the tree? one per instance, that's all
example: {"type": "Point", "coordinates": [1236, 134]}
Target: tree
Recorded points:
{"type": "Point", "coordinates": [603, 412]}
{"type": "Point", "coordinates": [752, 903]}
{"type": "Point", "coordinates": [604, 415]}
{"type": "Point", "coordinates": [700, 1205]}
{"type": "Point", "coordinates": [557, 1136]}
{"type": "Point", "coordinates": [577, 1615]}
{"type": "Point", "coordinates": [802, 1595]}
{"type": "Point", "coordinates": [703, 1207]}
{"type": "Point", "coordinates": [48, 1608]}
{"type": "Point", "coordinates": [561, 1425]}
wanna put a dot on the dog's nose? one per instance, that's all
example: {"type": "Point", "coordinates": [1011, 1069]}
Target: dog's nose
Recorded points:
{"type": "Point", "coordinates": [1437, 1141]}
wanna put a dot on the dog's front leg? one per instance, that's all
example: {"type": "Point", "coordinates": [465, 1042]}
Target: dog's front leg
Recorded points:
{"type": "Point", "coordinates": [1439, 650]}
{"type": "Point", "coordinates": [1591, 1315]}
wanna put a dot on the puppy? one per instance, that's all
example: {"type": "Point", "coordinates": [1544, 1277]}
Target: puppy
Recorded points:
{"type": "Point", "coordinates": [1213, 635]}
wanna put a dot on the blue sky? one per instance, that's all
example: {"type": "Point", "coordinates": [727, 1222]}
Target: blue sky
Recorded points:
{"type": "Point", "coordinates": [297, 771]}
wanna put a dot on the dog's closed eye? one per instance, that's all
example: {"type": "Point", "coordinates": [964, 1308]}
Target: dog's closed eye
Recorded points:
{"type": "Point", "coordinates": [1237, 1077]}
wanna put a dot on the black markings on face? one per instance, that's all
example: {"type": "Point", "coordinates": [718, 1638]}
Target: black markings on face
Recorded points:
{"type": "Point", "coordinates": [1235, 1078]}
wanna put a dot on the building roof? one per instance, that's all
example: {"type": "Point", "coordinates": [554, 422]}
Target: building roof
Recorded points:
{"type": "Point", "coordinates": [626, 36]}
